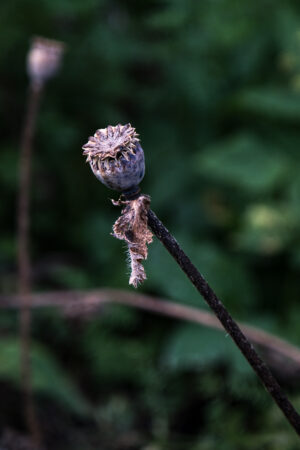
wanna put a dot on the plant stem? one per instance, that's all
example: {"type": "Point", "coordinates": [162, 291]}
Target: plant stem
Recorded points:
{"type": "Point", "coordinates": [258, 365]}
{"type": "Point", "coordinates": [24, 265]}
{"type": "Point", "coordinates": [87, 303]}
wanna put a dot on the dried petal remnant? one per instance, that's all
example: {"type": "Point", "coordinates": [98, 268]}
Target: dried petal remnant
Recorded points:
{"type": "Point", "coordinates": [116, 157]}
{"type": "Point", "coordinates": [132, 227]}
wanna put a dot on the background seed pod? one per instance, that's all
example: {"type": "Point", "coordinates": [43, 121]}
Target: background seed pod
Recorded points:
{"type": "Point", "coordinates": [44, 59]}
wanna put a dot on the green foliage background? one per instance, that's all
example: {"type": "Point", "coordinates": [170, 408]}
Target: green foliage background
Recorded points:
{"type": "Point", "coordinates": [213, 88]}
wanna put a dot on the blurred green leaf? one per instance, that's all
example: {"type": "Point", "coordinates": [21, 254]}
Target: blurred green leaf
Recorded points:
{"type": "Point", "coordinates": [113, 358]}
{"type": "Point", "coordinates": [192, 346]}
{"type": "Point", "coordinates": [244, 162]}
{"type": "Point", "coordinates": [273, 103]}
{"type": "Point", "coordinates": [266, 228]}
{"type": "Point", "coordinates": [227, 275]}
{"type": "Point", "coordinates": [48, 378]}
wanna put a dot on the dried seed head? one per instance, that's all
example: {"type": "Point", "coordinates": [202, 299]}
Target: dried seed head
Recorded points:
{"type": "Point", "coordinates": [117, 160]}
{"type": "Point", "coordinates": [44, 59]}
{"type": "Point", "coordinates": [116, 157]}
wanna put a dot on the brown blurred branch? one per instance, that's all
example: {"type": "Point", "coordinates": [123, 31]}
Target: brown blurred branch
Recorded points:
{"type": "Point", "coordinates": [24, 189]}
{"type": "Point", "coordinates": [24, 265]}
{"type": "Point", "coordinates": [78, 303]}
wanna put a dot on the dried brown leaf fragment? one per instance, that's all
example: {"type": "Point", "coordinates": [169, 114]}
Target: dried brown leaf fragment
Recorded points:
{"type": "Point", "coordinates": [132, 227]}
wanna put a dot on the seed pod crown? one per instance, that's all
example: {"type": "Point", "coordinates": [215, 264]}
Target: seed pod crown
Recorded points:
{"type": "Point", "coordinates": [111, 142]}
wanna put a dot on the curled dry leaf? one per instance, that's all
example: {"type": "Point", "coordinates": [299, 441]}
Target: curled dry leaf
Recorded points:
{"type": "Point", "coordinates": [132, 227]}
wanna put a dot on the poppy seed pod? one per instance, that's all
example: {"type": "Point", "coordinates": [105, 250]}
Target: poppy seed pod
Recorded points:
{"type": "Point", "coordinates": [116, 157]}
{"type": "Point", "coordinates": [44, 59]}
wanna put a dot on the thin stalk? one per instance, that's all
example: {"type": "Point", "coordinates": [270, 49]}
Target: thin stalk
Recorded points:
{"type": "Point", "coordinates": [24, 263]}
{"type": "Point", "coordinates": [255, 361]}
{"type": "Point", "coordinates": [87, 303]}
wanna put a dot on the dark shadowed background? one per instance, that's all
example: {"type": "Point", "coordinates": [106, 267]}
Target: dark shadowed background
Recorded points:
{"type": "Point", "coordinates": [213, 89]}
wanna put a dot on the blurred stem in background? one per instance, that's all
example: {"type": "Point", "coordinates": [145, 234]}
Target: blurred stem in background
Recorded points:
{"type": "Point", "coordinates": [24, 264]}
{"type": "Point", "coordinates": [42, 63]}
{"type": "Point", "coordinates": [281, 354]}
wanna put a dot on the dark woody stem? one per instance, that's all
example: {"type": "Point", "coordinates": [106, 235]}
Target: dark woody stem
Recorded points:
{"type": "Point", "coordinates": [132, 193]}
{"type": "Point", "coordinates": [255, 361]}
